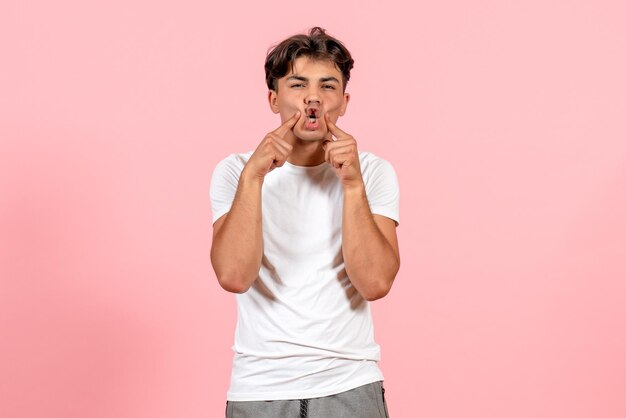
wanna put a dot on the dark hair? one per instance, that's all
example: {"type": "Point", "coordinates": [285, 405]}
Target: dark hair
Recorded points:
{"type": "Point", "coordinates": [316, 45]}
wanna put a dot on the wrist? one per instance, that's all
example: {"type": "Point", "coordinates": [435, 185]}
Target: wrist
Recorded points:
{"type": "Point", "coordinates": [248, 174]}
{"type": "Point", "coordinates": [249, 178]}
{"type": "Point", "coordinates": [357, 189]}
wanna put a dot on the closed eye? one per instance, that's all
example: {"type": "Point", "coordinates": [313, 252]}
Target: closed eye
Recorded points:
{"type": "Point", "coordinates": [328, 87]}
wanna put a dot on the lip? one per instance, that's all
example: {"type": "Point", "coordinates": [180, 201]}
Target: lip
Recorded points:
{"type": "Point", "coordinates": [312, 110]}
{"type": "Point", "coordinates": [312, 124]}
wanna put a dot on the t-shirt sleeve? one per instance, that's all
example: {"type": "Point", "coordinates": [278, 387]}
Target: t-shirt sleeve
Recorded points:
{"type": "Point", "coordinates": [383, 191]}
{"type": "Point", "coordinates": [224, 181]}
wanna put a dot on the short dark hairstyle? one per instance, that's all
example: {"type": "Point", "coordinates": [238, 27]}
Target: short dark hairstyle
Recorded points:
{"type": "Point", "coordinates": [316, 45]}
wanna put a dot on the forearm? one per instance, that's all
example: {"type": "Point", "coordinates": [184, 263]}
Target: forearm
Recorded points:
{"type": "Point", "coordinates": [370, 261]}
{"type": "Point", "coordinates": [237, 247]}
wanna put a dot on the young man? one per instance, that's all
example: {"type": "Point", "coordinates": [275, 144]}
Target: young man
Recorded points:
{"type": "Point", "coordinates": [304, 233]}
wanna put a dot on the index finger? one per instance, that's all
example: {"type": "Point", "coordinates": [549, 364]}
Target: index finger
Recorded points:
{"type": "Point", "coordinates": [287, 125]}
{"type": "Point", "coordinates": [334, 129]}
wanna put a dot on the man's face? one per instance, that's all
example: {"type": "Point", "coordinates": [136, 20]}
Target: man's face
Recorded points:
{"type": "Point", "coordinates": [314, 88]}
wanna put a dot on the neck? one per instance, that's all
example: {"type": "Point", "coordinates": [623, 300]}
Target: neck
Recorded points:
{"type": "Point", "coordinates": [306, 153]}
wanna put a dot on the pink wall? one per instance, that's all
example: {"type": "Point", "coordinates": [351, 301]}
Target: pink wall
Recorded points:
{"type": "Point", "coordinates": [504, 120]}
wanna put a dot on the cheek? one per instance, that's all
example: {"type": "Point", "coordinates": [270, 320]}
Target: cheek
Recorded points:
{"type": "Point", "coordinates": [335, 104]}
{"type": "Point", "coordinates": [335, 110]}
{"type": "Point", "coordinates": [287, 104]}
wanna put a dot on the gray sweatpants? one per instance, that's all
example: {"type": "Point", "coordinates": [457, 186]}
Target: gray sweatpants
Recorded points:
{"type": "Point", "coordinates": [367, 401]}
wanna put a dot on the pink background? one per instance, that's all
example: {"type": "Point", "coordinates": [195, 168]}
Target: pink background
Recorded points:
{"type": "Point", "coordinates": [505, 122]}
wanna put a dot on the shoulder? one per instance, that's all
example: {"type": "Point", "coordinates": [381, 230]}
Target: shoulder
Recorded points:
{"type": "Point", "coordinates": [228, 170]}
{"type": "Point", "coordinates": [236, 160]}
{"type": "Point", "coordinates": [232, 164]}
{"type": "Point", "coordinates": [372, 164]}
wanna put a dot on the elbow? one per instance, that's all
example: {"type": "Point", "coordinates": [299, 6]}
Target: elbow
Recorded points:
{"type": "Point", "coordinates": [234, 283]}
{"type": "Point", "coordinates": [380, 288]}
{"type": "Point", "coordinates": [376, 293]}
{"type": "Point", "coordinates": [234, 280]}
{"type": "Point", "coordinates": [232, 277]}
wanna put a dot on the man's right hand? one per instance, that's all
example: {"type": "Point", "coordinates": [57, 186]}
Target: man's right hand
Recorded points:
{"type": "Point", "coordinates": [272, 152]}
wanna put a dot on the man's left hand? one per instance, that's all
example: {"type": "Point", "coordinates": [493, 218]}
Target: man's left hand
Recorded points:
{"type": "Point", "coordinates": [343, 155]}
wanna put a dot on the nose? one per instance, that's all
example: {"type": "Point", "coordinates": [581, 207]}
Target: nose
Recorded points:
{"type": "Point", "coordinates": [311, 97]}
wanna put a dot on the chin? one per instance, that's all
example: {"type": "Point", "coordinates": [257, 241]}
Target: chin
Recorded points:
{"type": "Point", "coordinates": [305, 135]}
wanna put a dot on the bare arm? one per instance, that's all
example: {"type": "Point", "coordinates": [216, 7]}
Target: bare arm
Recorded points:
{"type": "Point", "coordinates": [237, 248]}
{"type": "Point", "coordinates": [369, 242]}
{"type": "Point", "coordinates": [370, 247]}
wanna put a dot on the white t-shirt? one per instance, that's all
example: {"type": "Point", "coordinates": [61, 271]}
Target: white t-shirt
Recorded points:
{"type": "Point", "coordinates": [303, 331]}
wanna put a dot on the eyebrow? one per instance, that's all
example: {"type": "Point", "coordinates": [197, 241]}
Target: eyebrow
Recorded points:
{"type": "Point", "coordinates": [322, 80]}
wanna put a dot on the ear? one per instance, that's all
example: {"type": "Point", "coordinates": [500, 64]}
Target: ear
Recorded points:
{"type": "Point", "coordinates": [344, 106]}
{"type": "Point", "coordinates": [271, 97]}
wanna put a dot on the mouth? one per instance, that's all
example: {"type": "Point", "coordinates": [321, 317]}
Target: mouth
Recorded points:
{"type": "Point", "coordinates": [312, 119]}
